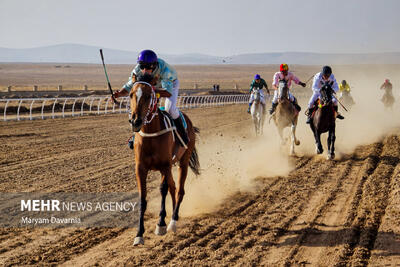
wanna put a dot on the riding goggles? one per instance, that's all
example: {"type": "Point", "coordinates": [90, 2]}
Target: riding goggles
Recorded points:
{"type": "Point", "coordinates": [148, 66]}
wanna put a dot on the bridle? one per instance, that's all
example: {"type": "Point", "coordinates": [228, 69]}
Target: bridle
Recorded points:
{"type": "Point", "coordinates": [152, 104]}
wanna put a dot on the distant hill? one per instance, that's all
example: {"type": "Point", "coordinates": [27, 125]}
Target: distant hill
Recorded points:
{"type": "Point", "coordinates": [75, 53]}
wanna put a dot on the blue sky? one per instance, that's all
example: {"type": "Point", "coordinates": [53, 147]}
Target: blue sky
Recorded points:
{"type": "Point", "coordinates": [214, 27]}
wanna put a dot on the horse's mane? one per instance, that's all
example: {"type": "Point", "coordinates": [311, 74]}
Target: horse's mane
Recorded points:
{"type": "Point", "coordinates": [145, 78]}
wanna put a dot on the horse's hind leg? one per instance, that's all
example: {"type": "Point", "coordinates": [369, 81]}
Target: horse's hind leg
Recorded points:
{"type": "Point", "coordinates": [183, 170]}
{"type": "Point", "coordinates": [161, 227]}
{"type": "Point", "coordinates": [141, 175]}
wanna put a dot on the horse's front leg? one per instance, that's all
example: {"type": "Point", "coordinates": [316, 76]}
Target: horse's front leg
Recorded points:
{"type": "Point", "coordinates": [331, 143]}
{"type": "Point", "coordinates": [280, 131]}
{"type": "Point", "coordinates": [183, 170]}
{"type": "Point", "coordinates": [317, 135]}
{"type": "Point", "coordinates": [161, 227]}
{"type": "Point", "coordinates": [141, 175]}
{"type": "Point", "coordinates": [294, 139]}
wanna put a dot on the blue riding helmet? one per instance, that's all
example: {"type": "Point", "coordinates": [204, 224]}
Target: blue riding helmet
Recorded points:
{"type": "Point", "coordinates": [147, 59]}
{"type": "Point", "coordinates": [257, 77]}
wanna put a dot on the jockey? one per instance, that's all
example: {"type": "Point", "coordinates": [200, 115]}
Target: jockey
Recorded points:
{"type": "Point", "coordinates": [167, 79]}
{"type": "Point", "coordinates": [344, 88]}
{"type": "Point", "coordinates": [284, 74]}
{"type": "Point", "coordinates": [258, 83]}
{"type": "Point", "coordinates": [387, 86]}
{"type": "Point", "coordinates": [319, 78]}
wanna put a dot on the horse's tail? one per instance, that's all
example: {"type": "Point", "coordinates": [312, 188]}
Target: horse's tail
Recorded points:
{"type": "Point", "coordinates": [194, 163]}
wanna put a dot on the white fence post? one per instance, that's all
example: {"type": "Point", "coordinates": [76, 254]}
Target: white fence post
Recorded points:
{"type": "Point", "coordinates": [63, 109]}
{"type": "Point", "coordinates": [30, 109]}
{"type": "Point", "coordinates": [44, 102]}
{"type": "Point", "coordinates": [19, 106]}
{"type": "Point", "coordinates": [5, 110]}
{"type": "Point", "coordinates": [52, 110]}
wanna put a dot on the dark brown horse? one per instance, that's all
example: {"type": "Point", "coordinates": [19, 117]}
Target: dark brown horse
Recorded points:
{"type": "Point", "coordinates": [286, 115]}
{"type": "Point", "coordinates": [323, 120]}
{"type": "Point", "coordinates": [155, 146]}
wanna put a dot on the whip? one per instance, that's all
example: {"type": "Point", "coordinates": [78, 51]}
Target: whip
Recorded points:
{"type": "Point", "coordinates": [108, 81]}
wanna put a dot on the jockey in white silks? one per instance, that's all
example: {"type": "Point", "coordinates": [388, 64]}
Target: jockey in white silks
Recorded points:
{"type": "Point", "coordinates": [167, 79]}
{"type": "Point", "coordinates": [257, 84]}
{"type": "Point", "coordinates": [319, 79]}
{"type": "Point", "coordinates": [284, 74]}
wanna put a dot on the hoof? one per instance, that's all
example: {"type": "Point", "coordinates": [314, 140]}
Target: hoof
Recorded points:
{"type": "Point", "coordinates": [172, 226]}
{"type": "Point", "coordinates": [319, 151]}
{"type": "Point", "coordinates": [138, 241]}
{"type": "Point", "coordinates": [331, 156]}
{"type": "Point", "coordinates": [160, 230]}
{"type": "Point", "coordinates": [297, 142]}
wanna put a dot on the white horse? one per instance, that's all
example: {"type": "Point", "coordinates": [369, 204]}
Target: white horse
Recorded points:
{"type": "Point", "coordinates": [257, 112]}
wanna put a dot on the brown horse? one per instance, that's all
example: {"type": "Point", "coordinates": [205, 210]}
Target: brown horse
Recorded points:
{"type": "Point", "coordinates": [323, 120]}
{"type": "Point", "coordinates": [155, 146]}
{"type": "Point", "coordinates": [286, 115]}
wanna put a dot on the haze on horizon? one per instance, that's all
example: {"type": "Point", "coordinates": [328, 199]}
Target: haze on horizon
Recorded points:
{"type": "Point", "coordinates": [220, 28]}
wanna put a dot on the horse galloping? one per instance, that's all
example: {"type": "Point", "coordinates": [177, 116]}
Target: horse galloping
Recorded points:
{"type": "Point", "coordinates": [155, 148]}
{"type": "Point", "coordinates": [257, 112]}
{"type": "Point", "coordinates": [388, 100]}
{"type": "Point", "coordinates": [324, 120]}
{"type": "Point", "coordinates": [286, 115]}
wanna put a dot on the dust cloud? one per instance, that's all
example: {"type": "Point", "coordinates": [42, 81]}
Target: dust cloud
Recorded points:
{"type": "Point", "coordinates": [232, 160]}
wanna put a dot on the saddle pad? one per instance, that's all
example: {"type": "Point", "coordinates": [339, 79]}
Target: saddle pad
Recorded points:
{"type": "Point", "coordinates": [165, 113]}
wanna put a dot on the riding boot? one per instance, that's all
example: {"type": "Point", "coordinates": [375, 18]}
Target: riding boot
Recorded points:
{"type": "Point", "coordinates": [309, 114]}
{"type": "Point", "coordinates": [181, 130]}
{"type": "Point", "coordinates": [272, 110]}
{"type": "Point", "coordinates": [248, 110]}
{"type": "Point", "coordinates": [131, 142]}
{"type": "Point", "coordinates": [338, 115]}
{"type": "Point", "coordinates": [296, 105]}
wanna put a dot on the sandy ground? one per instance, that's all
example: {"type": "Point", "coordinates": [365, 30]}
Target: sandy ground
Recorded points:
{"type": "Point", "coordinates": [252, 205]}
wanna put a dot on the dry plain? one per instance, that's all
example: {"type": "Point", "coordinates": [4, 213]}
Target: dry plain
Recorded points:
{"type": "Point", "coordinates": [252, 205]}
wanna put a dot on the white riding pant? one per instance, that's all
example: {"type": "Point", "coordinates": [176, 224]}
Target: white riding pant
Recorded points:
{"type": "Point", "coordinates": [315, 96]}
{"type": "Point", "coordinates": [275, 99]}
{"type": "Point", "coordinates": [262, 97]}
{"type": "Point", "coordinates": [170, 102]}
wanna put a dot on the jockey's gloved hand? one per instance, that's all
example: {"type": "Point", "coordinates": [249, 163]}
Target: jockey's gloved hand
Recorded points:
{"type": "Point", "coordinates": [302, 84]}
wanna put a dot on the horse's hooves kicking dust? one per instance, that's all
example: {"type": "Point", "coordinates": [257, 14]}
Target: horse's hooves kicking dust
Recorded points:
{"type": "Point", "coordinates": [138, 241]}
{"type": "Point", "coordinates": [160, 230]}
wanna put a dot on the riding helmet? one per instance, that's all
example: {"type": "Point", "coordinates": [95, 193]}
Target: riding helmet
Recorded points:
{"type": "Point", "coordinates": [284, 67]}
{"type": "Point", "coordinates": [147, 56]}
{"type": "Point", "coordinates": [257, 77]}
{"type": "Point", "coordinates": [327, 71]}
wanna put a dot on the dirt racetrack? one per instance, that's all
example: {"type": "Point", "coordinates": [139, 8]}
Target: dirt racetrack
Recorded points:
{"type": "Point", "coordinates": [251, 206]}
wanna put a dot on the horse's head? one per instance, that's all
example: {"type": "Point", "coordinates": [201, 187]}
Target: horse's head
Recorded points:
{"type": "Point", "coordinates": [143, 102]}
{"type": "Point", "coordinates": [283, 90]}
{"type": "Point", "coordinates": [257, 95]}
{"type": "Point", "coordinates": [326, 92]}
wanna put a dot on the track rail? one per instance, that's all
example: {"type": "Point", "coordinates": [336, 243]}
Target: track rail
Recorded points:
{"type": "Point", "coordinates": [44, 108]}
